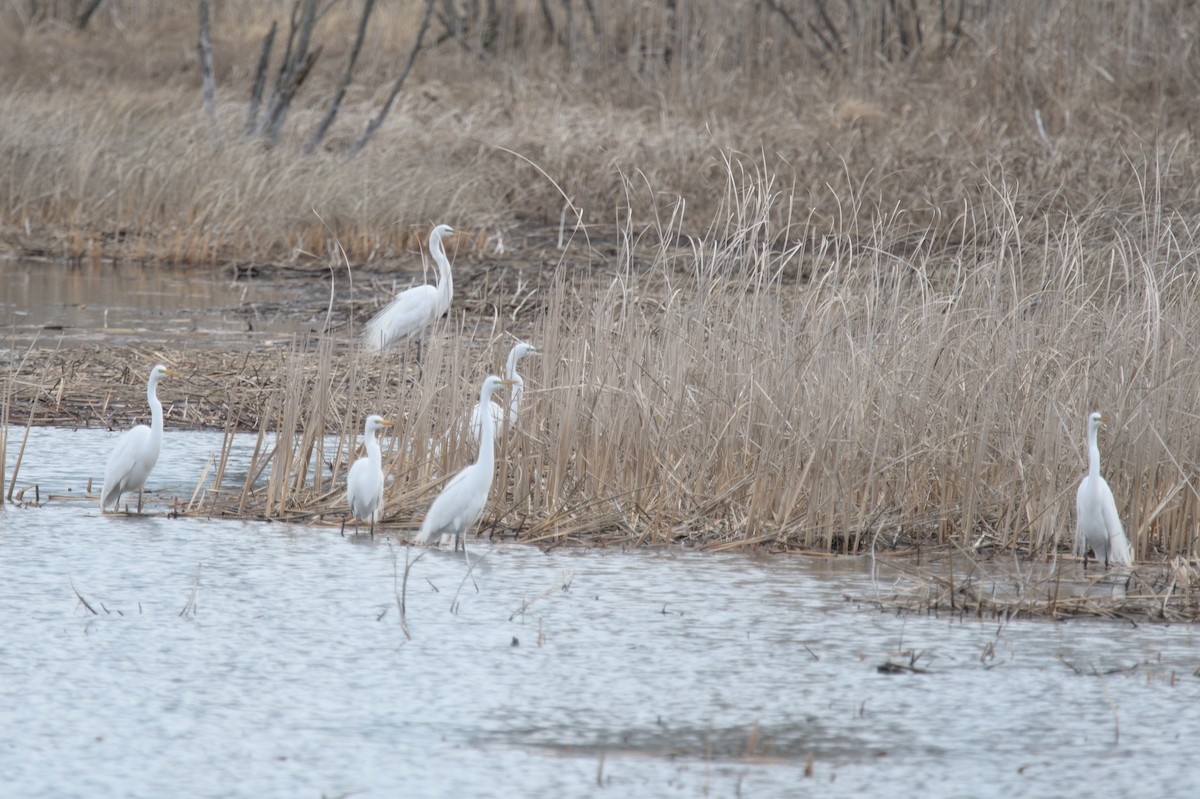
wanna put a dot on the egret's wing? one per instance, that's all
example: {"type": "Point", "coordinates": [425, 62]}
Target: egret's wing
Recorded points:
{"type": "Point", "coordinates": [358, 488]}
{"type": "Point", "coordinates": [122, 462]}
{"type": "Point", "coordinates": [412, 310]}
{"type": "Point", "coordinates": [1118, 544]}
{"type": "Point", "coordinates": [456, 508]}
{"type": "Point", "coordinates": [1079, 546]}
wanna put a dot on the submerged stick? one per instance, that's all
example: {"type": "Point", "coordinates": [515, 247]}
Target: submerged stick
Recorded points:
{"type": "Point", "coordinates": [402, 594]}
{"type": "Point", "coordinates": [82, 601]}
{"type": "Point", "coordinates": [470, 568]}
{"type": "Point", "coordinates": [568, 577]}
{"type": "Point", "coordinates": [189, 609]}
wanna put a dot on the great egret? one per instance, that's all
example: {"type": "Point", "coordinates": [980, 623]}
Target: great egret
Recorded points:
{"type": "Point", "coordinates": [136, 452]}
{"type": "Point", "coordinates": [416, 308]}
{"type": "Point", "coordinates": [461, 503]}
{"type": "Point", "coordinates": [519, 351]}
{"type": "Point", "coordinates": [364, 482]}
{"type": "Point", "coordinates": [1097, 523]}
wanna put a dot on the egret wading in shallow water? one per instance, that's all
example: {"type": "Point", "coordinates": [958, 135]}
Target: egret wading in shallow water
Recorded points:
{"type": "Point", "coordinates": [519, 351]}
{"type": "Point", "coordinates": [457, 509]}
{"type": "Point", "coordinates": [1097, 524]}
{"type": "Point", "coordinates": [136, 452]}
{"type": "Point", "coordinates": [364, 482]}
{"type": "Point", "coordinates": [416, 308]}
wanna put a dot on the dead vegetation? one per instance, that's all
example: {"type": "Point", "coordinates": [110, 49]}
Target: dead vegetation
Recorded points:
{"type": "Point", "coordinates": [882, 328]}
{"type": "Point", "coordinates": [965, 586]}
{"type": "Point", "coordinates": [518, 111]}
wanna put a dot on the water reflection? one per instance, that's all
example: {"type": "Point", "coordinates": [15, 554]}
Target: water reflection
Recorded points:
{"type": "Point", "coordinates": [648, 673]}
{"type": "Point", "coordinates": [129, 302]}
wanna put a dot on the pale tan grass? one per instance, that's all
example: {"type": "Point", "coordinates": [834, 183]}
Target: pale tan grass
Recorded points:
{"type": "Point", "coordinates": [841, 307]}
{"type": "Point", "coordinates": [107, 136]}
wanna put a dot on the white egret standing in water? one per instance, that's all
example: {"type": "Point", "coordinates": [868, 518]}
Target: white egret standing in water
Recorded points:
{"type": "Point", "coordinates": [457, 509]}
{"type": "Point", "coordinates": [136, 452]}
{"type": "Point", "coordinates": [1097, 523]}
{"type": "Point", "coordinates": [415, 308]}
{"type": "Point", "coordinates": [519, 351]}
{"type": "Point", "coordinates": [364, 482]}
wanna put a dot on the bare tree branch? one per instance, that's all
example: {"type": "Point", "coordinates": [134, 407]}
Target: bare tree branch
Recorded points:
{"type": "Point", "coordinates": [775, 6]}
{"type": "Point", "coordinates": [374, 124]}
{"type": "Point", "coordinates": [340, 92]}
{"type": "Point", "coordinates": [296, 64]}
{"type": "Point", "coordinates": [85, 16]}
{"type": "Point", "coordinates": [260, 80]}
{"type": "Point", "coordinates": [206, 65]}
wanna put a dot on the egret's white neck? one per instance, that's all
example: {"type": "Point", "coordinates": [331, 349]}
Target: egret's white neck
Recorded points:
{"type": "Point", "coordinates": [156, 412]}
{"type": "Point", "coordinates": [445, 284]}
{"type": "Point", "coordinates": [514, 403]}
{"type": "Point", "coordinates": [487, 444]}
{"type": "Point", "coordinates": [510, 368]}
{"type": "Point", "coordinates": [1093, 450]}
{"type": "Point", "coordinates": [373, 455]}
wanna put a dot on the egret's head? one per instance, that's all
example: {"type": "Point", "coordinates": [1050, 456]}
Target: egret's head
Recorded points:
{"type": "Point", "coordinates": [375, 421]}
{"type": "Point", "coordinates": [161, 371]}
{"type": "Point", "coordinates": [441, 231]}
{"type": "Point", "coordinates": [523, 348]}
{"type": "Point", "coordinates": [494, 383]}
{"type": "Point", "coordinates": [1098, 419]}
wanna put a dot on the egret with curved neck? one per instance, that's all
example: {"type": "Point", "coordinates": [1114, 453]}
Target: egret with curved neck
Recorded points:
{"type": "Point", "coordinates": [364, 482]}
{"type": "Point", "coordinates": [134, 456]}
{"type": "Point", "coordinates": [519, 351]}
{"type": "Point", "coordinates": [416, 308]}
{"type": "Point", "coordinates": [460, 505]}
{"type": "Point", "coordinates": [1098, 525]}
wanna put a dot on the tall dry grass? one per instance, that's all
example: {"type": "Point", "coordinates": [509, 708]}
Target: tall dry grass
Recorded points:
{"type": "Point", "coordinates": [107, 153]}
{"type": "Point", "coordinates": [851, 300]}
{"type": "Point", "coordinates": [829, 388]}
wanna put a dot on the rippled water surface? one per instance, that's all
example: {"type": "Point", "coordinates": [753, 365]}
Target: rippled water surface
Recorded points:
{"type": "Point", "coordinates": [254, 659]}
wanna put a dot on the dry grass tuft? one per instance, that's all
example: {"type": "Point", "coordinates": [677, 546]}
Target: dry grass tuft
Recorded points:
{"type": "Point", "coordinates": [1156, 592]}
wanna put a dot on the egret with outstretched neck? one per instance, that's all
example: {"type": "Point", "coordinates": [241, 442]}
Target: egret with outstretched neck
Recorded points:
{"type": "Point", "coordinates": [364, 482]}
{"type": "Point", "coordinates": [1098, 525]}
{"type": "Point", "coordinates": [519, 351]}
{"type": "Point", "coordinates": [460, 505]}
{"type": "Point", "coordinates": [134, 456]}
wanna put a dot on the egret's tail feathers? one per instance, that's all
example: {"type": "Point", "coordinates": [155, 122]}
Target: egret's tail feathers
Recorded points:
{"type": "Point", "coordinates": [1119, 552]}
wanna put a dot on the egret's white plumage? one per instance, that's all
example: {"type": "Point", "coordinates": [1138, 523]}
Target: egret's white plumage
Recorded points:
{"type": "Point", "coordinates": [364, 481]}
{"type": "Point", "coordinates": [415, 308]}
{"type": "Point", "coordinates": [457, 509]}
{"type": "Point", "coordinates": [519, 351]}
{"type": "Point", "coordinates": [1098, 525]}
{"type": "Point", "coordinates": [136, 452]}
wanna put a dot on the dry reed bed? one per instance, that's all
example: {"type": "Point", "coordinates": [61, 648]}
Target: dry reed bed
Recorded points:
{"type": "Point", "coordinates": [823, 394]}
{"type": "Point", "coordinates": [799, 389]}
{"type": "Point", "coordinates": [106, 152]}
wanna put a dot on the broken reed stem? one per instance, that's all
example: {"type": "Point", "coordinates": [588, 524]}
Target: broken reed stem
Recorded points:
{"type": "Point", "coordinates": [200, 482]}
{"type": "Point", "coordinates": [82, 601]}
{"type": "Point", "coordinates": [227, 439]}
{"type": "Point", "coordinates": [193, 602]}
{"type": "Point", "coordinates": [470, 568]}
{"type": "Point", "coordinates": [402, 594]}
{"type": "Point", "coordinates": [12, 483]}
{"type": "Point", "coordinates": [561, 586]}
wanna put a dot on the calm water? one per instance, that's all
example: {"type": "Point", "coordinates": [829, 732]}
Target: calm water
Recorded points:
{"type": "Point", "coordinates": [626, 674]}
{"type": "Point", "coordinates": [53, 301]}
